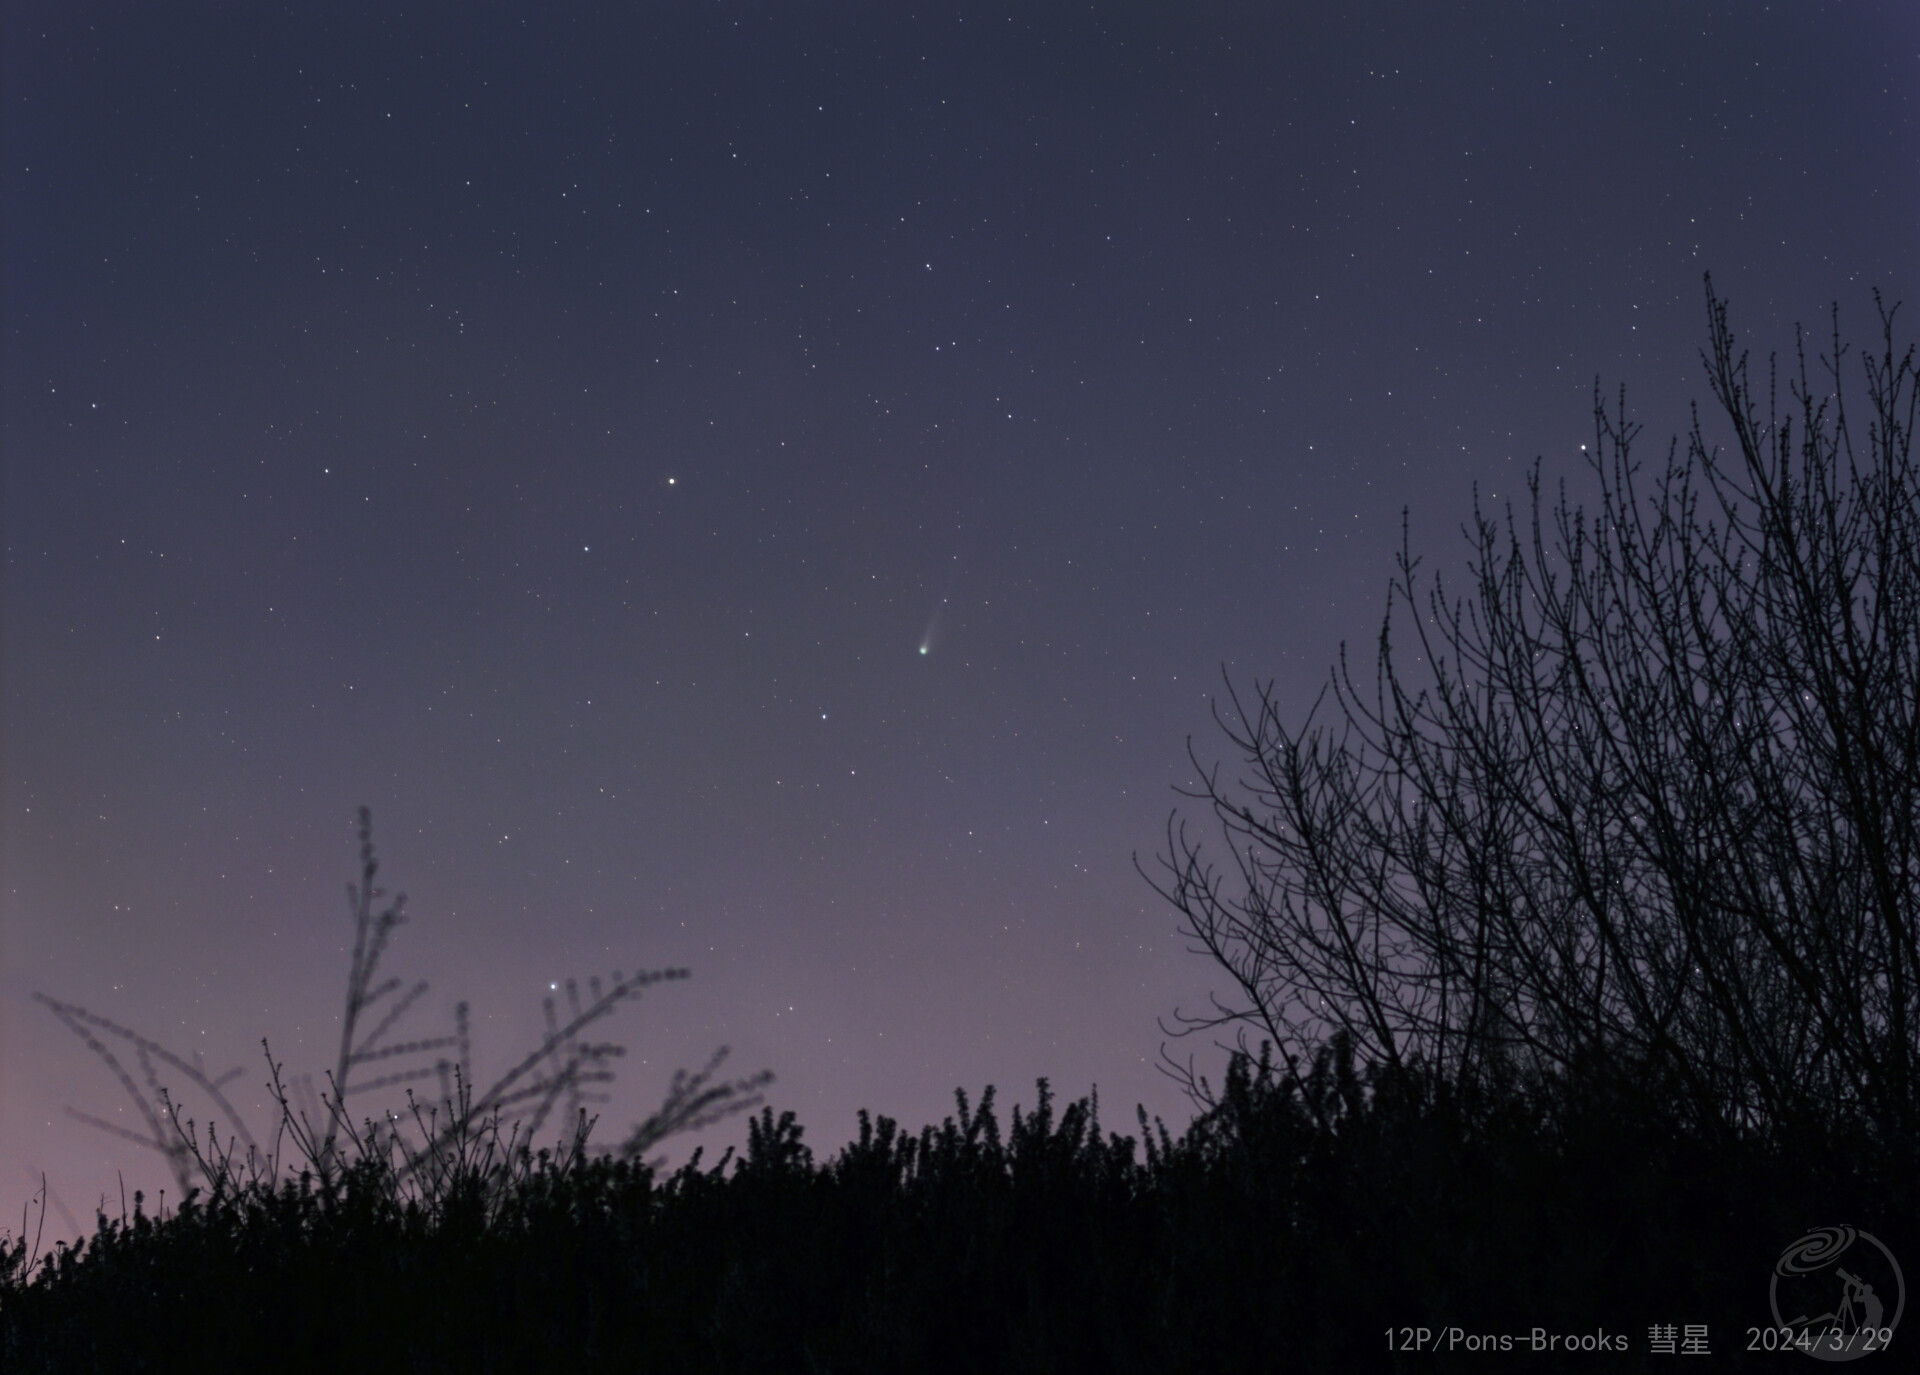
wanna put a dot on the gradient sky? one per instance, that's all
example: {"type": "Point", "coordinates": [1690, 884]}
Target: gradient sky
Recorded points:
{"type": "Point", "coordinates": [771, 488]}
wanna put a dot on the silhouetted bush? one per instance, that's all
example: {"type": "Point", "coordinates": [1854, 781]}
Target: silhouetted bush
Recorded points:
{"type": "Point", "coordinates": [1287, 1229]}
{"type": "Point", "coordinates": [1646, 791]}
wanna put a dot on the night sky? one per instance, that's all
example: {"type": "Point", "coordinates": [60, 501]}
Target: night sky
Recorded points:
{"type": "Point", "coordinates": [772, 489]}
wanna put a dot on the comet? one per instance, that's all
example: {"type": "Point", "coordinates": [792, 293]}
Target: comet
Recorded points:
{"type": "Point", "coordinates": [932, 634]}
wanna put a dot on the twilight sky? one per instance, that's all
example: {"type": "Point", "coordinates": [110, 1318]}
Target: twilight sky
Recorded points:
{"type": "Point", "coordinates": [771, 488]}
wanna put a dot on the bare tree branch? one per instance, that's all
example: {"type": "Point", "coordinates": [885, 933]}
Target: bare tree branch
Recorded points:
{"type": "Point", "coordinates": [564, 1068]}
{"type": "Point", "coordinates": [1647, 795]}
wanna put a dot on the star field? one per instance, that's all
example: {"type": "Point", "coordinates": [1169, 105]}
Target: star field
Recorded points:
{"type": "Point", "coordinates": [773, 489]}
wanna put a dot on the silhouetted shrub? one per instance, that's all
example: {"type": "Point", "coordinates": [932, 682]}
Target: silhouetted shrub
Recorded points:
{"type": "Point", "coordinates": [1289, 1228]}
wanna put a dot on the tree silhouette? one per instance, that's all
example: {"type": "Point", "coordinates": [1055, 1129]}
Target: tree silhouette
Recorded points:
{"type": "Point", "coordinates": [1642, 805]}
{"type": "Point", "coordinates": [564, 1068]}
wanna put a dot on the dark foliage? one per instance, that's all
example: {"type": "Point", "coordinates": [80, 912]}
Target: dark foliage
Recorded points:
{"type": "Point", "coordinates": [565, 1068]}
{"type": "Point", "coordinates": [1644, 802]}
{"type": "Point", "coordinates": [1288, 1229]}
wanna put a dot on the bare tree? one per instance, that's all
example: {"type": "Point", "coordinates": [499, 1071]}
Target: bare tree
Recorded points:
{"type": "Point", "coordinates": [564, 1068]}
{"type": "Point", "coordinates": [1646, 798]}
